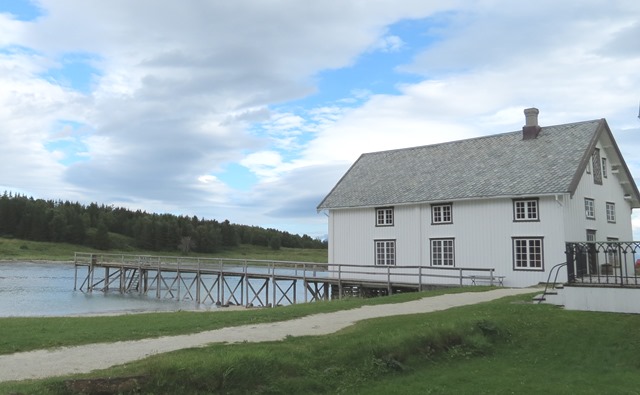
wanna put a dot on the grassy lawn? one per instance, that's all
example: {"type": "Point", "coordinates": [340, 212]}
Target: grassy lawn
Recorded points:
{"type": "Point", "coordinates": [16, 250]}
{"type": "Point", "coordinates": [501, 347]}
{"type": "Point", "coordinates": [19, 334]}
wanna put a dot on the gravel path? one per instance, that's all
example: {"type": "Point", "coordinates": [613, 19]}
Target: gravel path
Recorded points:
{"type": "Point", "coordinates": [83, 359]}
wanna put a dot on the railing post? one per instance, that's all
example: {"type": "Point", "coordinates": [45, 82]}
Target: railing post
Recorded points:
{"type": "Point", "coordinates": [339, 282]}
{"type": "Point", "coordinates": [420, 278]}
{"type": "Point", "coordinates": [198, 281]}
{"type": "Point", "coordinates": [389, 290]}
{"type": "Point", "coordinates": [460, 275]}
{"type": "Point", "coordinates": [569, 252]}
{"type": "Point", "coordinates": [273, 283]}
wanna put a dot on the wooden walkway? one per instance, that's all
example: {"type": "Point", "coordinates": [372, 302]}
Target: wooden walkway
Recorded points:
{"type": "Point", "coordinates": [219, 281]}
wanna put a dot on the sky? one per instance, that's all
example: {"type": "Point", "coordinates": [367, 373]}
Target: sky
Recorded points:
{"type": "Point", "coordinates": [252, 110]}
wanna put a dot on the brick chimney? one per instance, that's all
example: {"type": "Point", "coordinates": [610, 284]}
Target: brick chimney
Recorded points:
{"type": "Point", "coordinates": [531, 128]}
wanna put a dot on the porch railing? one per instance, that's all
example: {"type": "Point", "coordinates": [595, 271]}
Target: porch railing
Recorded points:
{"type": "Point", "coordinates": [603, 262]}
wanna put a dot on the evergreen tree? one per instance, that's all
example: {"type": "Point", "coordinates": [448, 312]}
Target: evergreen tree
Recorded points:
{"type": "Point", "coordinates": [101, 239]}
{"type": "Point", "coordinates": [275, 243]}
{"type": "Point", "coordinates": [229, 236]}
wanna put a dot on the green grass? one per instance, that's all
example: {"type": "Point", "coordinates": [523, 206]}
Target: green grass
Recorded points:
{"type": "Point", "coordinates": [19, 334]}
{"type": "Point", "coordinates": [24, 250]}
{"type": "Point", "coordinates": [16, 249]}
{"type": "Point", "coordinates": [501, 347]}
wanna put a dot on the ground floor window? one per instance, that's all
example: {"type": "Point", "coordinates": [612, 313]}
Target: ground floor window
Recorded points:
{"type": "Point", "coordinates": [527, 253]}
{"type": "Point", "coordinates": [442, 252]}
{"type": "Point", "coordinates": [385, 252]}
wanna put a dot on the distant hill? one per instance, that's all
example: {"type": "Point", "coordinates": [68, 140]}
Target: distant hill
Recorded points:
{"type": "Point", "coordinates": [101, 226]}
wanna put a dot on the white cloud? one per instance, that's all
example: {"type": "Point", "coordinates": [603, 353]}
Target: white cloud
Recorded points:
{"type": "Point", "coordinates": [389, 44]}
{"type": "Point", "coordinates": [264, 164]}
{"type": "Point", "coordinates": [183, 86]}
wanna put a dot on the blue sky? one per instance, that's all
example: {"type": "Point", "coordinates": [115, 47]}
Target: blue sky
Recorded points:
{"type": "Point", "coordinates": [251, 111]}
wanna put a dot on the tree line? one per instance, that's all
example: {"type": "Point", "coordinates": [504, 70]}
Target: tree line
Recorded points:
{"type": "Point", "coordinates": [104, 227]}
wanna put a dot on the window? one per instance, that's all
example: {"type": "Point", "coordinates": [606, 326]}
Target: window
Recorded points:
{"type": "Point", "coordinates": [589, 167]}
{"type": "Point", "coordinates": [597, 170]}
{"type": "Point", "coordinates": [604, 167]}
{"type": "Point", "coordinates": [384, 216]}
{"type": "Point", "coordinates": [385, 252]}
{"type": "Point", "coordinates": [441, 213]}
{"type": "Point", "coordinates": [525, 210]}
{"type": "Point", "coordinates": [442, 252]}
{"type": "Point", "coordinates": [527, 253]}
{"type": "Point", "coordinates": [589, 208]}
{"type": "Point", "coordinates": [611, 212]}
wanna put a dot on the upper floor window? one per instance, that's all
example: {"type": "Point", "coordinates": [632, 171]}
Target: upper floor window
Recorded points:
{"type": "Point", "coordinates": [597, 169]}
{"type": "Point", "coordinates": [384, 216]}
{"type": "Point", "coordinates": [611, 212]}
{"type": "Point", "coordinates": [604, 167]}
{"type": "Point", "coordinates": [589, 208]}
{"type": "Point", "coordinates": [385, 252]}
{"type": "Point", "coordinates": [442, 252]}
{"type": "Point", "coordinates": [442, 213]}
{"type": "Point", "coordinates": [527, 253]}
{"type": "Point", "coordinates": [525, 210]}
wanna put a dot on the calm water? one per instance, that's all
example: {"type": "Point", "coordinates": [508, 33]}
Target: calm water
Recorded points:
{"type": "Point", "coordinates": [46, 289]}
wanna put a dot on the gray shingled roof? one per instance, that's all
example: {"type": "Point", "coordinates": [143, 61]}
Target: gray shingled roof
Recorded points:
{"type": "Point", "coordinates": [497, 165]}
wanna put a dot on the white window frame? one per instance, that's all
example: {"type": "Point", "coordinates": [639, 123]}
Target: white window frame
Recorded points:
{"type": "Point", "coordinates": [528, 253]}
{"type": "Point", "coordinates": [611, 212]}
{"type": "Point", "coordinates": [604, 168]}
{"type": "Point", "coordinates": [442, 213]}
{"type": "Point", "coordinates": [443, 252]}
{"type": "Point", "coordinates": [385, 252]}
{"type": "Point", "coordinates": [589, 208]}
{"type": "Point", "coordinates": [526, 210]}
{"type": "Point", "coordinates": [384, 216]}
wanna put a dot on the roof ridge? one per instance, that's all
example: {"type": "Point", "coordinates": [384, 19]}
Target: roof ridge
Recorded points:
{"type": "Point", "coordinates": [471, 139]}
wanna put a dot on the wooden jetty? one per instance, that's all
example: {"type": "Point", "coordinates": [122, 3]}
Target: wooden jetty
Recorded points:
{"type": "Point", "coordinates": [259, 283]}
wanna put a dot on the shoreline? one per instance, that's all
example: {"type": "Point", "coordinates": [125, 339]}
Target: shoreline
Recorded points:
{"type": "Point", "coordinates": [21, 260]}
{"type": "Point", "coordinates": [209, 309]}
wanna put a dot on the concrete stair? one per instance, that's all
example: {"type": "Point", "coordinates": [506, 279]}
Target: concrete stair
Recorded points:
{"type": "Point", "coordinates": [553, 295]}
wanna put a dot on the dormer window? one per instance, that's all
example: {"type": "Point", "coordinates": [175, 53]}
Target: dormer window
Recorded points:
{"type": "Point", "coordinates": [384, 216]}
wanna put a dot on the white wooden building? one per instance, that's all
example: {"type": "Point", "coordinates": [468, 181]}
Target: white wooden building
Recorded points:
{"type": "Point", "coordinates": [507, 201]}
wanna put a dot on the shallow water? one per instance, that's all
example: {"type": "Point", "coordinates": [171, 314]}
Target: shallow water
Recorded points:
{"type": "Point", "coordinates": [46, 289]}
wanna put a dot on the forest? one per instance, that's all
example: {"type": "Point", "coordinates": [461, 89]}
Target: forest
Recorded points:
{"type": "Point", "coordinates": [105, 227]}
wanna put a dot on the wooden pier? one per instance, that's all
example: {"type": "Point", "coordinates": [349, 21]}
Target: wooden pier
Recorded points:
{"type": "Point", "coordinates": [259, 283]}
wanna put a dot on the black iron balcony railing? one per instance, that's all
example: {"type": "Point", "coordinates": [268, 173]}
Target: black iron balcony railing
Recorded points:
{"type": "Point", "coordinates": [604, 262]}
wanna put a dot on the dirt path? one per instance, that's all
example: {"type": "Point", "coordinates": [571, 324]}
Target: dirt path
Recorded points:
{"type": "Point", "coordinates": [83, 359]}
